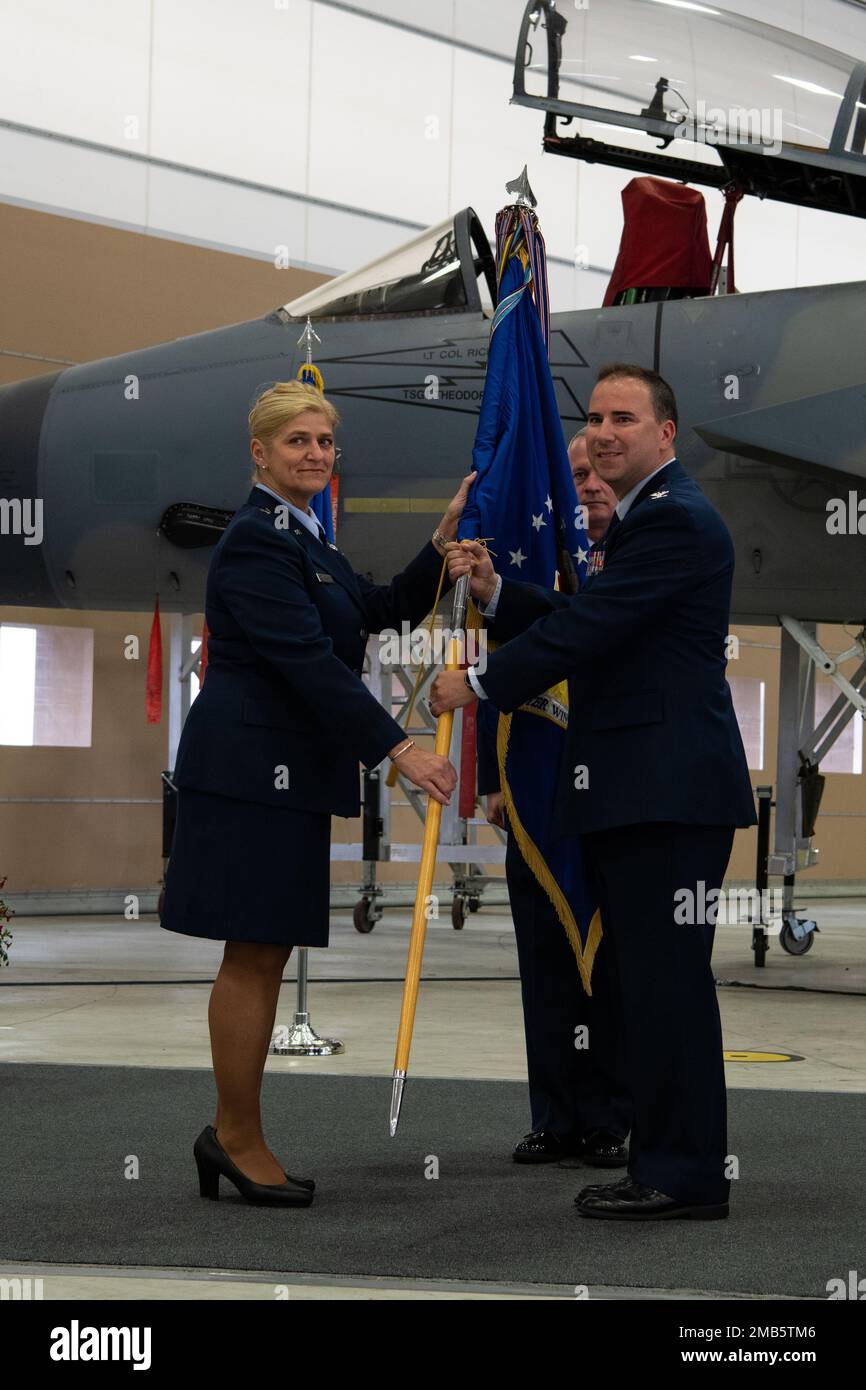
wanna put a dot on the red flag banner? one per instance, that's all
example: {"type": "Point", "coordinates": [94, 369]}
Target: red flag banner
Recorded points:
{"type": "Point", "coordinates": [467, 761]}
{"type": "Point", "coordinates": [153, 701]}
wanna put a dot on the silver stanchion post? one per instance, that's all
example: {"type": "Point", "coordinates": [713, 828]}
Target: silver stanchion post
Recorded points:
{"type": "Point", "coordinates": [301, 1040]}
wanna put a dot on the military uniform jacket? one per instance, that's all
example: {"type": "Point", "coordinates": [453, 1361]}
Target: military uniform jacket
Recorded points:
{"type": "Point", "coordinates": [288, 622]}
{"type": "Point", "coordinates": [642, 645]}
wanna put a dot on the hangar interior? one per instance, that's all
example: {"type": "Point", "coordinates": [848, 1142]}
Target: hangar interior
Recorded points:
{"type": "Point", "coordinates": [148, 195]}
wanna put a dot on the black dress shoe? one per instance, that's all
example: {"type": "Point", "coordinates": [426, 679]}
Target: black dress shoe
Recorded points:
{"type": "Point", "coordinates": [542, 1146]}
{"type": "Point", "coordinates": [601, 1148]}
{"type": "Point", "coordinates": [604, 1187]}
{"type": "Point", "coordinates": [631, 1201]}
{"type": "Point", "coordinates": [212, 1162]}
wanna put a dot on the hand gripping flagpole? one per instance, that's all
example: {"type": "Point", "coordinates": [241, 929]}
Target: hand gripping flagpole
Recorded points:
{"type": "Point", "coordinates": [430, 844]}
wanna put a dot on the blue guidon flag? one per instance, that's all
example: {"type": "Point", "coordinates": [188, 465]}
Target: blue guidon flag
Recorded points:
{"type": "Point", "coordinates": [524, 502]}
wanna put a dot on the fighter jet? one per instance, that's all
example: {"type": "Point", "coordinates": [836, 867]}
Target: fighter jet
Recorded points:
{"type": "Point", "coordinates": [138, 461]}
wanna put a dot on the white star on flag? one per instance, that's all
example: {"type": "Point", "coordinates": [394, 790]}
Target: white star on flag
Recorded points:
{"type": "Point", "coordinates": [548, 502]}
{"type": "Point", "coordinates": [580, 555]}
{"type": "Point", "coordinates": [538, 521]}
{"type": "Point", "coordinates": [517, 557]}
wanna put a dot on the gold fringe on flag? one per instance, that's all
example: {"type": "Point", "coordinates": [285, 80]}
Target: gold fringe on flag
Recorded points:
{"type": "Point", "coordinates": [534, 859]}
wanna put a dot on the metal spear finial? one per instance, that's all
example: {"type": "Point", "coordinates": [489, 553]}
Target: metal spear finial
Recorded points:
{"type": "Point", "coordinates": [307, 337]}
{"type": "Point", "coordinates": [399, 1081]}
{"type": "Point", "coordinates": [523, 194]}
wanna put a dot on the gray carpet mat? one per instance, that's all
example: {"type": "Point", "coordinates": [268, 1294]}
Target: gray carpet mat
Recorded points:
{"type": "Point", "coordinates": [797, 1212]}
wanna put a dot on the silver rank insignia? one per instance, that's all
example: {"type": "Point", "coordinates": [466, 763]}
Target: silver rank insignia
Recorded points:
{"type": "Point", "coordinates": [659, 494]}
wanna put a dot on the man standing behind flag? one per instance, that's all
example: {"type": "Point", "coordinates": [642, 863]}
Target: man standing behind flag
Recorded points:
{"type": "Point", "coordinates": [596, 497]}
{"type": "Point", "coordinates": [577, 1095]}
{"type": "Point", "coordinates": [654, 776]}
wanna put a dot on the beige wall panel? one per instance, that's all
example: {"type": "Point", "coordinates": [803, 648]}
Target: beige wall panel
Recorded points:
{"type": "Point", "coordinates": [73, 290]}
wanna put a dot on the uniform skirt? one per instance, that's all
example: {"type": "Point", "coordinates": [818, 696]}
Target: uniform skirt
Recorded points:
{"type": "Point", "coordinates": [242, 871]}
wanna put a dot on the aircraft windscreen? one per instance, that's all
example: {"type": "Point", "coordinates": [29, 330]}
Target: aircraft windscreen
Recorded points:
{"type": "Point", "coordinates": [436, 272]}
{"type": "Point", "coordinates": [691, 73]}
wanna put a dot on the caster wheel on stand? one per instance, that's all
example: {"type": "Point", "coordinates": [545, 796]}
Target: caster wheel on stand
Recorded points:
{"type": "Point", "coordinates": [363, 919]}
{"type": "Point", "coordinates": [796, 945]}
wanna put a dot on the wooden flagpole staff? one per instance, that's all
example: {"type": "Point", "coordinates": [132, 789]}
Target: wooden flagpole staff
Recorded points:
{"type": "Point", "coordinates": [427, 866]}
{"type": "Point", "coordinates": [523, 197]}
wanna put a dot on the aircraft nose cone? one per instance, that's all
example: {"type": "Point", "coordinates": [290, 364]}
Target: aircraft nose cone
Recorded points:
{"type": "Point", "coordinates": [23, 574]}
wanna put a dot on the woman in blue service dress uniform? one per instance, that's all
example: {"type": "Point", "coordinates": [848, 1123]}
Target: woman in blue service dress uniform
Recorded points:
{"type": "Point", "coordinates": [270, 751]}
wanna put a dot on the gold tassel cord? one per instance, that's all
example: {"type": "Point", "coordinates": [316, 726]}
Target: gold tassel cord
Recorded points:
{"type": "Point", "coordinates": [584, 956]}
{"type": "Point", "coordinates": [310, 375]}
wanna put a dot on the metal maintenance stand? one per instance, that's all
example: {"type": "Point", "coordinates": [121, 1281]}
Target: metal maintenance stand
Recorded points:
{"type": "Point", "coordinates": [458, 845]}
{"type": "Point", "coordinates": [800, 748]}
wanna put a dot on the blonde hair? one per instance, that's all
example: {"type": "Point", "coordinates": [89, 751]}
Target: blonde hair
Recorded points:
{"type": "Point", "coordinates": [277, 406]}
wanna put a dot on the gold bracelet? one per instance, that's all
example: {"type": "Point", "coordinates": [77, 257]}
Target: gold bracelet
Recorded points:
{"type": "Point", "coordinates": [404, 749]}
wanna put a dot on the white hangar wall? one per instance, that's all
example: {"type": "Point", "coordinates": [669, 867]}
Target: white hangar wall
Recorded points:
{"type": "Point", "coordinates": [335, 128]}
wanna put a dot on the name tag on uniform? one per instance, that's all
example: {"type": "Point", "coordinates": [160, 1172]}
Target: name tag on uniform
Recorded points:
{"type": "Point", "coordinates": [324, 578]}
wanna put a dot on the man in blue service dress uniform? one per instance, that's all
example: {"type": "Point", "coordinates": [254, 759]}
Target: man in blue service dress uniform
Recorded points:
{"type": "Point", "coordinates": [578, 1101]}
{"type": "Point", "coordinates": [654, 775]}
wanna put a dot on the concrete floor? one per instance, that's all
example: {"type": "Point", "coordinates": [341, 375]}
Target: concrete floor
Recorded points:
{"type": "Point", "coordinates": [96, 990]}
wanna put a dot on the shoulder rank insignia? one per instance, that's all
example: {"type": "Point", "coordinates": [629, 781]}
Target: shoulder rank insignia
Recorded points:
{"type": "Point", "coordinates": [664, 493]}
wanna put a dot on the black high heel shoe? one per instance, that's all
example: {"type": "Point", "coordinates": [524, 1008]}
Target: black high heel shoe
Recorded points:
{"type": "Point", "coordinates": [212, 1161]}
{"type": "Point", "coordinates": [307, 1183]}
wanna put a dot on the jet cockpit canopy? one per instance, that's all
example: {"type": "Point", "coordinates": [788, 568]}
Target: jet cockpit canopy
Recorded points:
{"type": "Point", "coordinates": [445, 269]}
{"type": "Point", "coordinates": [700, 95]}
